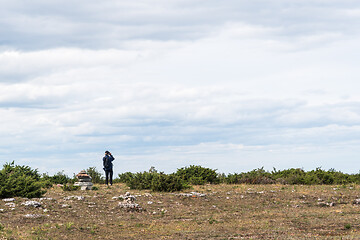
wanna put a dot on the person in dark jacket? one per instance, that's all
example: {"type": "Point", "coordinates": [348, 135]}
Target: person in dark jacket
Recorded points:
{"type": "Point", "coordinates": [108, 167]}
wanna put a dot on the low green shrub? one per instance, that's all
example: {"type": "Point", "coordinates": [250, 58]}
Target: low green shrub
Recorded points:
{"type": "Point", "coordinates": [256, 176]}
{"type": "Point", "coordinates": [21, 181]}
{"type": "Point", "coordinates": [96, 176]}
{"type": "Point", "coordinates": [153, 180]}
{"type": "Point", "coordinates": [167, 183]}
{"type": "Point", "coordinates": [292, 176]}
{"type": "Point", "coordinates": [198, 175]}
{"type": "Point", "coordinates": [70, 187]}
{"type": "Point", "coordinates": [59, 178]}
{"type": "Point", "coordinates": [124, 177]}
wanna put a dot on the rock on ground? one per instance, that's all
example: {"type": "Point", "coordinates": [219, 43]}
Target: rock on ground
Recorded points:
{"type": "Point", "coordinates": [9, 199]}
{"type": "Point", "coordinates": [31, 204]}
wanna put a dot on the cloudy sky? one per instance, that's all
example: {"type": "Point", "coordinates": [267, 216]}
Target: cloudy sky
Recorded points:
{"type": "Point", "coordinates": [232, 85]}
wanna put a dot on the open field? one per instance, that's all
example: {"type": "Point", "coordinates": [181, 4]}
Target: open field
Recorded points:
{"type": "Point", "coordinates": [225, 212]}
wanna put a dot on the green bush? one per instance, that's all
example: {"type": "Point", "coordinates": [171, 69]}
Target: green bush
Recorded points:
{"type": "Point", "coordinates": [70, 187]}
{"type": "Point", "coordinates": [96, 176]}
{"type": "Point", "coordinates": [198, 175]}
{"type": "Point", "coordinates": [167, 183]}
{"type": "Point", "coordinates": [141, 180]}
{"type": "Point", "coordinates": [59, 178]}
{"type": "Point", "coordinates": [292, 176]}
{"type": "Point", "coordinates": [256, 176]}
{"type": "Point", "coordinates": [21, 181]}
{"type": "Point", "coordinates": [124, 177]}
{"type": "Point", "coordinates": [152, 180]}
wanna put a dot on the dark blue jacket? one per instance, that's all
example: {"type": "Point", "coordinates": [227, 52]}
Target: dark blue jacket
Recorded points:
{"type": "Point", "coordinates": [107, 162]}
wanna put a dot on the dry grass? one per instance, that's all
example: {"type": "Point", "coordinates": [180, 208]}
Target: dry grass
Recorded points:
{"type": "Point", "coordinates": [226, 212]}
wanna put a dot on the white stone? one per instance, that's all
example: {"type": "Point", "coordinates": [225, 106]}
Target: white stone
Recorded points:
{"type": "Point", "coordinates": [33, 216]}
{"type": "Point", "coordinates": [84, 185]}
{"type": "Point", "coordinates": [9, 199]}
{"type": "Point", "coordinates": [10, 205]}
{"type": "Point", "coordinates": [80, 198]}
{"type": "Point", "coordinates": [32, 204]}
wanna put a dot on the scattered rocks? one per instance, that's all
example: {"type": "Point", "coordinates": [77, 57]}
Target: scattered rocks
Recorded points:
{"type": "Point", "coordinates": [128, 203]}
{"type": "Point", "coordinates": [10, 205]}
{"type": "Point", "coordinates": [356, 201]}
{"type": "Point", "coordinates": [45, 198]}
{"type": "Point", "coordinates": [91, 204]}
{"type": "Point", "coordinates": [31, 204]}
{"type": "Point", "coordinates": [9, 199]}
{"type": "Point", "coordinates": [325, 204]}
{"type": "Point", "coordinates": [192, 194]}
{"type": "Point", "coordinates": [149, 202]}
{"type": "Point", "coordinates": [126, 197]}
{"type": "Point", "coordinates": [130, 206]}
{"type": "Point", "coordinates": [65, 206]}
{"type": "Point", "coordinates": [2, 210]}
{"type": "Point", "coordinates": [33, 216]}
{"type": "Point", "coordinates": [80, 198]}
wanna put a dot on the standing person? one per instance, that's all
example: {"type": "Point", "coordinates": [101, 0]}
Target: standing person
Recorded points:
{"type": "Point", "coordinates": [108, 167]}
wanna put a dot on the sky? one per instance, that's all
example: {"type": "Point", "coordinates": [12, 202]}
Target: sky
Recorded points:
{"type": "Point", "coordinates": [231, 85]}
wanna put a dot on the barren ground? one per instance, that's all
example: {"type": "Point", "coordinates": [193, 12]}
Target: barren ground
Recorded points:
{"type": "Point", "coordinates": [225, 212]}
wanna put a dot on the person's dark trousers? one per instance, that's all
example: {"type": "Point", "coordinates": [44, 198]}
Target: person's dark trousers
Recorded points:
{"type": "Point", "coordinates": [108, 174]}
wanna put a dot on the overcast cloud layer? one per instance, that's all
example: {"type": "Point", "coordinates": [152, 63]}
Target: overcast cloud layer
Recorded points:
{"type": "Point", "coordinates": [231, 85]}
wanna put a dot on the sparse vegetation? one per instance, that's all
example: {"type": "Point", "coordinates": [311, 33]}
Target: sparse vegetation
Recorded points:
{"type": "Point", "coordinates": [70, 187]}
{"type": "Point", "coordinates": [153, 180]}
{"type": "Point", "coordinates": [239, 211]}
{"type": "Point", "coordinates": [59, 178]}
{"type": "Point", "coordinates": [250, 205]}
{"type": "Point", "coordinates": [198, 175]}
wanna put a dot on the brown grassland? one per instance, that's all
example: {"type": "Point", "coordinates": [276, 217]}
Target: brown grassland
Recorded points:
{"type": "Point", "coordinates": [226, 212]}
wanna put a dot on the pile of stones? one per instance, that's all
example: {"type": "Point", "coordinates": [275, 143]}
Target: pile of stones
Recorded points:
{"type": "Point", "coordinates": [84, 181]}
{"type": "Point", "coordinates": [128, 203]}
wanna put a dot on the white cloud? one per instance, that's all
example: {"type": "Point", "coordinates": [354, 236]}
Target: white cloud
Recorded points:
{"type": "Point", "coordinates": [178, 83]}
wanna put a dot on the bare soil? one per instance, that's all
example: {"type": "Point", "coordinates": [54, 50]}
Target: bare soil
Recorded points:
{"type": "Point", "coordinates": [225, 212]}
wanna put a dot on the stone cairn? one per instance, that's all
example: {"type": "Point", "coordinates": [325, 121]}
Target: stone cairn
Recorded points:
{"type": "Point", "coordinates": [84, 181]}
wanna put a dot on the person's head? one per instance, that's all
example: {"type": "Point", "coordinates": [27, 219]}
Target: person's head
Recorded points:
{"type": "Point", "coordinates": [107, 152]}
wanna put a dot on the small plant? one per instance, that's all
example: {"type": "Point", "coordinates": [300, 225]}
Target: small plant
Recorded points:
{"type": "Point", "coordinates": [347, 226]}
{"type": "Point", "coordinates": [70, 187]}
{"type": "Point", "coordinates": [94, 188]}
{"type": "Point", "coordinates": [211, 220]}
{"type": "Point", "coordinates": [69, 225]}
{"type": "Point", "coordinates": [1, 227]}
